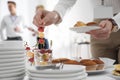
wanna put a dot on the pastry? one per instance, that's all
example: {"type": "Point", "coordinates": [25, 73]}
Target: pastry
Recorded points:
{"type": "Point", "coordinates": [55, 61]}
{"type": "Point", "coordinates": [79, 24]}
{"type": "Point", "coordinates": [99, 63]}
{"type": "Point", "coordinates": [117, 67]}
{"type": "Point", "coordinates": [72, 62]}
{"type": "Point", "coordinates": [92, 24]}
{"type": "Point", "coordinates": [59, 60]}
{"type": "Point", "coordinates": [116, 72]}
{"type": "Point", "coordinates": [90, 65]}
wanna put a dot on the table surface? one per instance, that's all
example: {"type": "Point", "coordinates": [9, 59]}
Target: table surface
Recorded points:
{"type": "Point", "coordinates": [99, 76]}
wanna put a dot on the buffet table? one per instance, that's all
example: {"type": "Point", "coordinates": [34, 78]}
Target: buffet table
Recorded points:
{"type": "Point", "coordinates": [98, 76]}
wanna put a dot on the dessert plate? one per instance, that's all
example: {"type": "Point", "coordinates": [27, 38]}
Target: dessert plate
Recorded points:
{"type": "Point", "coordinates": [56, 75]}
{"type": "Point", "coordinates": [12, 56]}
{"type": "Point", "coordinates": [61, 78]}
{"type": "Point", "coordinates": [84, 29]}
{"type": "Point", "coordinates": [11, 52]}
{"type": "Point", "coordinates": [12, 64]}
{"type": "Point", "coordinates": [12, 71]}
{"type": "Point", "coordinates": [12, 74]}
{"type": "Point", "coordinates": [12, 67]}
{"type": "Point", "coordinates": [12, 60]}
{"type": "Point", "coordinates": [96, 71]}
{"type": "Point", "coordinates": [66, 69]}
{"type": "Point", "coordinates": [20, 77]}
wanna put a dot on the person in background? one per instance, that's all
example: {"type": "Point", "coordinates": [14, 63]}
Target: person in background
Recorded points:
{"type": "Point", "coordinates": [105, 42]}
{"type": "Point", "coordinates": [13, 24]}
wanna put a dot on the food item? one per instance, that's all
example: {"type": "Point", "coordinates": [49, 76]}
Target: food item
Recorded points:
{"type": "Point", "coordinates": [74, 62]}
{"type": "Point", "coordinates": [56, 61]}
{"type": "Point", "coordinates": [42, 55]}
{"type": "Point", "coordinates": [117, 67]}
{"type": "Point", "coordinates": [65, 61]}
{"type": "Point", "coordinates": [92, 24]}
{"type": "Point", "coordinates": [41, 29]}
{"type": "Point", "coordinates": [99, 63]}
{"type": "Point", "coordinates": [27, 48]}
{"type": "Point", "coordinates": [41, 41]}
{"type": "Point", "coordinates": [90, 65]}
{"type": "Point", "coordinates": [79, 24]}
{"type": "Point", "coordinates": [59, 60]}
{"type": "Point", "coordinates": [116, 72]}
{"type": "Point", "coordinates": [30, 54]}
{"type": "Point", "coordinates": [41, 35]}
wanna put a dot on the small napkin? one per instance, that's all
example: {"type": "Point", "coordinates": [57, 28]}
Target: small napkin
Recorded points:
{"type": "Point", "coordinates": [108, 62]}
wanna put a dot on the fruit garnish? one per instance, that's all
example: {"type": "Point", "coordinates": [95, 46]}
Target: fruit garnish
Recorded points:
{"type": "Point", "coordinates": [43, 63]}
{"type": "Point", "coordinates": [42, 51]}
{"type": "Point", "coordinates": [49, 51]}
{"type": "Point", "coordinates": [41, 41]}
{"type": "Point", "coordinates": [41, 35]}
{"type": "Point", "coordinates": [41, 29]}
{"type": "Point", "coordinates": [27, 48]}
{"type": "Point", "coordinates": [31, 59]}
{"type": "Point", "coordinates": [30, 54]}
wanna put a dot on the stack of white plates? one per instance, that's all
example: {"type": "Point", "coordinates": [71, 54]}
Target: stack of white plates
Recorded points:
{"type": "Point", "coordinates": [69, 72]}
{"type": "Point", "coordinates": [12, 60]}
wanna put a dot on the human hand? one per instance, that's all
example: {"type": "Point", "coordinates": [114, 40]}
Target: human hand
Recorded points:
{"type": "Point", "coordinates": [17, 29]}
{"type": "Point", "coordinates": [45, 18]}
{"type": "Point", "coordinates": [104, 32]}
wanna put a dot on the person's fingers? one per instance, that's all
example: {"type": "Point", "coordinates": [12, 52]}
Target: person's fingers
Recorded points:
{"type": "Point", "coordinates": [35, 23]}
{"type": "Point", "coordinates": [102, 24]}
{"type": "Point", "coordinates": [37, 18]}
{"type": "Point", "coordinates": [39, 15]}
{"type": "Point", "coordinates": [45, 21]}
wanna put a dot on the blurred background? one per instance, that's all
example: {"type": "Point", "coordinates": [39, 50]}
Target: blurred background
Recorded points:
{"type": "Point", "coordinates": [64, 40]}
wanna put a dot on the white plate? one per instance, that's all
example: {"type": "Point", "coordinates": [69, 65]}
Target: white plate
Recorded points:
{"type": "Point", "coordinates": [11, 52]}
{"type": "Point", "coordinates": [12, 67]}
{"type": "Point", "coordinates": [12, 56]}
{"type": "Point", "coordinates": [56, 75]}
{"type": "Point", "coordinates": [20, 77]}
{"type": "Point", "coordinates": [11, 45]}
{"type": "Point", "coordinates": [12, 64]}
{"type": "Point", "coordinates": [12, 70]}
{"type": "Point", "coordinates": [66, 69]}
{"type": "Point", "coordinates": [96, 71]}
{"type": "Point", "coordinates": [12, 74]}
{"type": "Point", "coordinates": [12, 60]}
{"type": "Point", "coordinates": [67, 78]}
{"type": "Point", "coordinates": [84, 29]}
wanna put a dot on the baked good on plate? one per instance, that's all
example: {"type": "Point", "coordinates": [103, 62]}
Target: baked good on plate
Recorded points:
{"type": "Point", "coordinates": [80, 24]}
{"type": "Point", "coordinates": [92, 24]}
{"type": "Point", "coordinates": [74, 62]}
{"type": "Point", "coordinates": [117, 70]}
{"type": "Point", "coordinates": [59, 60]}
{"type": "Point", "coordinates": [90, 65]}
{"type": "Point", "coordinates": [99, 63]}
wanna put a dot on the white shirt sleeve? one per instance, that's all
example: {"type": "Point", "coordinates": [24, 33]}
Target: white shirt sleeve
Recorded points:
{"type": "Point", "coordinates": [23, 26]}
{"type": "Point", "coordinates": [117, 19]}
{"type": "Point", "coordinates": [2, 28]}
{"type": "Point", "coordinates": [63, 6]}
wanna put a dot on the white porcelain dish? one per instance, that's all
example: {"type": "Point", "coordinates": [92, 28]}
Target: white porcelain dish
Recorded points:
{"type": "Point", "coordinates": [84, 29]}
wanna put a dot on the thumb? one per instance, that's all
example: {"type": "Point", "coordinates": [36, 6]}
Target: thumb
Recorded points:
{"type": "Point", "coordinates": [102, 24]}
